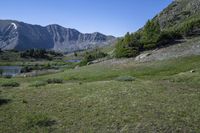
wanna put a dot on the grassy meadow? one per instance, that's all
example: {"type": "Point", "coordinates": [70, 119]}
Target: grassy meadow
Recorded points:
{"type": "Point", "coordinates": [112, 96]}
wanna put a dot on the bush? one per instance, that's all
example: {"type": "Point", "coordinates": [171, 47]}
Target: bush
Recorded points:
{"type": "Point", "coordinates": [125, 78]}
{"type": "Point", "coordinates": [191, 27]}
{"type": "Point", "coordinates": [10, 84]}
{"type": "Point", "coordinates": [26, 69]}
{"type": "Point", "coordinates": [54, 81]}
{"type": "Point", "coordinates": [39, 120]}
{"type": "Point", "coordinates": [91, 56]}
{"type": "Point", "coordinates": [7, 76]}
{"type": "Point", "coordinates": [129, 46]}
{"type": "Point", "coordinates": [40, 54]}
{"type": "Point", "coordinates": [150, 33]}
{"type": "Point", "coordinates": [132, 44]}
{"type": "Point", "coordinates": [151, 37]}
{"type": "Point", "coordinates": [168, 37]}
{"type": "Point", "coordinates": [38, 84]}
{"type": "Point", "coordinates": [4, 101]}
{"type": "Point", "coordinates": [34, 53]}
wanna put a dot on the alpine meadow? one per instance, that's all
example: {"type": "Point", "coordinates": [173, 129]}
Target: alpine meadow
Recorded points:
{"type": "Point", "coordinates": [55, 79]}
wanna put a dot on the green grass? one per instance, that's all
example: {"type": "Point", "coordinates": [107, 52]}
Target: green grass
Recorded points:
{"type": "Point", "coordinates": [164, 97]}
{"type": "Point", "coordinates": [38, 84]}
{"type": "Point", "coordinates": [10, 84]}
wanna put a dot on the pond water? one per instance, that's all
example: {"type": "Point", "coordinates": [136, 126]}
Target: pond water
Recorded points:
{"type": "Point", "coordinates": [10, 70]}
{"type": "Point", "coordinates": [73, 61]}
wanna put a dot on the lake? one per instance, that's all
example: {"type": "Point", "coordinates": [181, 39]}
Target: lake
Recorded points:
{"type": "Point", "coordinates": [73, 61]}
{"type": "Point", "coordinates": [10, 70]}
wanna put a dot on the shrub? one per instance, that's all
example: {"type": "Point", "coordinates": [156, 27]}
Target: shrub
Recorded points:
{"type": "Point", "coordinates": [34, 53]}
{"type": "Point", "coordinates": [151, 36]}
{"type": "Point", "coordinates": [91, 56]}
{"type": "Point", "coordinates": [10, 84]}
{"type": "Point", "coordinates": [191, 27]}
{"type": "Point", "coordinates": [125, 78]}
{"type": "Point", "coordinates": [54, 81]}
{"type": "Point", "coordinates": [168, 37]}
{"type": "Point", "coordinates": [39, 120]}
{"type": "Point", "coordinates": [1, 72]}
{"type": "Point", "coordinates": [144, 39]}
{"type": "Point", "coordinates": [47, 66]}
{"type": "Point", "coordinates": [40, 54]}
{"type": "Point", "coordinates": [4, 101]}
{"type": "Point", "coordinates": [7, 76]}
{"type": "Point", "coordinates": [129, 46]}
{"type": "Point", "coordinates": [26, 69]}
{"type": "Point", "coordinates": [150, 33]}
{"type": "Point", "coordinates": [38, 84]}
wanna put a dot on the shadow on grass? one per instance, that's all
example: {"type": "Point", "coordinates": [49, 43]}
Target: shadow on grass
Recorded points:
{"type": "Point", "coordinates": [4, 101]}
{"type": "Point", "coordinates": [39, 120]}
{"type": "Point", "coordinates": [47, 123]}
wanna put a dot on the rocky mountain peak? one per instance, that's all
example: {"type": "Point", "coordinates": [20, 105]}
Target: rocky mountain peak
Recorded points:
{"type": "Point", "coordinates": [22, 36]}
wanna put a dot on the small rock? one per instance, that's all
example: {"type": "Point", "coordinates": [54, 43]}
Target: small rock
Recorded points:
{"type": "Point", "coordinates": [89, 63]}
{"type": "Point", "coordinates": [77, 67]}
{"type": "Point", "coordinates": [192, 71]}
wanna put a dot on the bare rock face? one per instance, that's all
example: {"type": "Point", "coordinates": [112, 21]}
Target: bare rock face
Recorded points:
{"type": "Point", "coordinates": [67, 40]}
{"type": "Point", "coordinates": [22, 36]}
{"type": "Point", "coordinates": [8, 35]}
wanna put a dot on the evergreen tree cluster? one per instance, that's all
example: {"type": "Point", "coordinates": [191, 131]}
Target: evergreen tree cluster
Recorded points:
{"type": "Point", "coordinates": [39, 54]}
{"type": "Point", "coordinates": [151, 37]}
{"type": "Point", "coordinates": [91, 56]}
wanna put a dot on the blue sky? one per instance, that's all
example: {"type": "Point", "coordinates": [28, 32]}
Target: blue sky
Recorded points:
{"type": "Point", "coordinates": [111, 17]}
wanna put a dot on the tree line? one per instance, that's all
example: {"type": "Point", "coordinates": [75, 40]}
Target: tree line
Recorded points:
{"type": "Point", "coordinates": [151, 37]}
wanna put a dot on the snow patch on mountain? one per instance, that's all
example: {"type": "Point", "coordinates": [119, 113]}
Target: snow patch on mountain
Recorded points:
{"type": "Point", "coordinates": [14, 25]}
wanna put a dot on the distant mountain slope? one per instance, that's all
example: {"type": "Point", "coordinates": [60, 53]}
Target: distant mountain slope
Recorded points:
{"type": "Point", "coordinates": [22, 36]}
{"type": "Point", "coordinates": [70, 39]}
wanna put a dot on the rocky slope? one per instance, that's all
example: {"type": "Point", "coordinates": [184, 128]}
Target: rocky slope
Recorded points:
{"type": "Point", "coordinates": [177, 12]}
{"type": "Point", "coordinates": [185, 48]}
{"type": "Point", "coordinates": [22, 36]}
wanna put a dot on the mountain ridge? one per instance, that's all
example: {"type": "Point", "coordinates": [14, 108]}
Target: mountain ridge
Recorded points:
{"type": "Point", "coordinates": [22, 36]}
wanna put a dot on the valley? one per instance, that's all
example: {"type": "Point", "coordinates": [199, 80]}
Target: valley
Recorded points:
{"type": "Point", "coordinates": [56, 80]}
{"type": "Point", "coordinates": [101, 97]}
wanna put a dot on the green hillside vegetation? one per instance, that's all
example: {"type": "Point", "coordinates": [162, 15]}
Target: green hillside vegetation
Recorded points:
{"type": "Point", "coordinates": [91, 56]}
{"type": "Point", "coordinates": [153, 35]}
{"type": "Point", "coordinates": [103, 94]}
{"type": "Point", "coordinates": [40, 54]}
{"type": "Point", "coordinates": [32, 56]}
{"type": "Point", "coordinates": [158, 96]}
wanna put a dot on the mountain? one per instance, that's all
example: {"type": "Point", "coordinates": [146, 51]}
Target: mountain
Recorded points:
{"type": "Point", "coordinates": [22, 36]}
{"type": "Point", "coordinates": [178, 12]}
{"type": "Point", "coordinates": [178, 22]}
{"type": "Point", "coordinates": [71, 40]}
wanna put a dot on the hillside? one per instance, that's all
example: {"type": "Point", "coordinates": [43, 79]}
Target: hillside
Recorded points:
{"type": "Point", "coordinates": [178, 12]}
{"type": "Point", "coordinates": [185, 48]}
{"type": "Point", "coordinates": [21, 36]}
{"type": "Point", "coordinates": [179, 21]}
